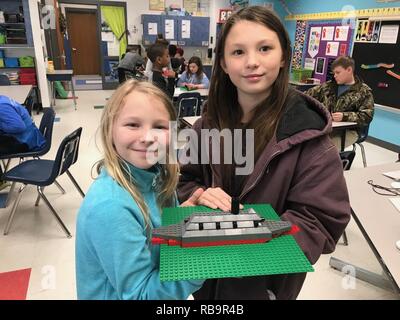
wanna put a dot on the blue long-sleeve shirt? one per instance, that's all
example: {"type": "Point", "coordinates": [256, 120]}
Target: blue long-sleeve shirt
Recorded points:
{"type": "Point", "coordinates": [113, 257]}
{"type": "Point", "coordinates": [16, 122]}
{"type": "Point", "coordinates": [194, 79]}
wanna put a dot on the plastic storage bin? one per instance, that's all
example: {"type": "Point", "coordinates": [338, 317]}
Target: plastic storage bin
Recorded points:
{"type": "Point", "coordinates": [11, 62]}
{"type": "Point", "coordinates": [26, 61]}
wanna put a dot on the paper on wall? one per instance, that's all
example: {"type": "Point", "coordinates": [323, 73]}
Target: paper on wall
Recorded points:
{"type": "Point", "coordinates": [327, 33]}
{"type": "Point", "coordinates": [309, 63]}
{"type": "Point", "coordinates": [107, 36]}
{"type": "Point", "coordinates": [332, 49]}
{"type": "Point", "coordinates": [341, 33]}
{"type": "Point", "coordinates": [185, 29]}
{"type": "Point", "coordinates": [169, 29]}
{"type": "Point", "coordinates": [389, 34]}
{"type": "Point", "coordinates": [152, 28]}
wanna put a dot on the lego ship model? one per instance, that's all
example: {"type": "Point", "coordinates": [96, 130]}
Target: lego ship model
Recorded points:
{"type": "Point", "coordinates": [221, 228]}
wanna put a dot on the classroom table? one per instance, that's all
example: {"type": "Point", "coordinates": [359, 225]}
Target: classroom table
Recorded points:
{"type": "Point", "coordinates": [60, 75]}
{"type": "Point", "coordinates": [18, 93]}
{"type": "Point", "coordinates": [379, 223]}
{"type": "Point", "coordinates": [203, 92]}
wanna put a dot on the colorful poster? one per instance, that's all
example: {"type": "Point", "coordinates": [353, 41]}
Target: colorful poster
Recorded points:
{"type": "Point", "coordinates": [370, 31]}
{"type": "Point", "coordinates": [327, 33]}
{"type": "Point", "coordinates": [314, 40]}
{"type": "Point", "coordinates": [320, 65]}
{"type": "Point", "coordinates": [377, 28]}
{"type": "Point", "coordinates": [341, 33]}
{"type": "Point", "coordinates": [332, 49]}
{"type": "Point", "coordinates": [342, 49]}
{"type": "Point", "coordinates": [360, 28]}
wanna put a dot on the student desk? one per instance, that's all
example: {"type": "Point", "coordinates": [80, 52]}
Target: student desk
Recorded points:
{"type": "Point", "coordinates": [342, 127]}
{"type": "Point", "coordinates": [379, 222]}
{"type": "Point", "coordinates": [301, 86]}
{"type": "Point", "coordinates": [18, 93]}
{"type": "Point", "coordinates": [60, 75]}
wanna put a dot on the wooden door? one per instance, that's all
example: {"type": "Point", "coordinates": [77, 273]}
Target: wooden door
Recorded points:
{"type": "Point", "coordinates": [83, 39]}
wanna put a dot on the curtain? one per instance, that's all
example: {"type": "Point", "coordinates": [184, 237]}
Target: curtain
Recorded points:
{"type": "Point", "coordinates": [115, 18]}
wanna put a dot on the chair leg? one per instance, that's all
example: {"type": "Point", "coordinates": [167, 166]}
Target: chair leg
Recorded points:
{"type": "Point", "coordinates": [62, 225]}
{"type": "Point", "coordinates": [363, 154]}
{"type": "Point", "coordinates": [38, 199]}
{"type": "Point", "coordinates": [59, 187]}
{"type": "Point", "coordinates": [14, 209]}
{"type": "Point", "coordinates": [75, 183]}
{"type": "Point", "coordinates": [345, 241]}
{"type": "Point", "coordinates": [10, 194]}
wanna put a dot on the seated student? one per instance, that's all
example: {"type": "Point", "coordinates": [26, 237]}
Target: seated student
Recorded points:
{"type": "Point", "coordinates": [179, 55]}
{"type": "Point", "coordinates": [162, 76]}
{"type": "Point", "coordinates": [194, 77]}
{"type": "Point", "coordinates": [346, 97]}
{"type": "Point", "coordinates": [131, 62]}
{"type": "Point", "coordinates": [18, 133]}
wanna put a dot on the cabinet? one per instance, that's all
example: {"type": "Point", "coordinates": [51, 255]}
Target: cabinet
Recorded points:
{"type": "Point", "coordinates": [16, 43]}
{"type": "Point", "coordinates": [197, 37]}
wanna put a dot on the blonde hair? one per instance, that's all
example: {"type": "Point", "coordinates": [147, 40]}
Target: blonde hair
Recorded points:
{"type": "Point", "coordinates": [117, 167]}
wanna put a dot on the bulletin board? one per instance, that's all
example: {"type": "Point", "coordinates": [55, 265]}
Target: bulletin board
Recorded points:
{"type": "Point", "coordinates": [325, 41]}
{"type": "Point", "coordinates": [386, 88]}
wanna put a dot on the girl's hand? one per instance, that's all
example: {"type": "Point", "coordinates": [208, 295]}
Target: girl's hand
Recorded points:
{"type": "Point", "coordinates": [216, 198]}
{"type": "Point", "coordinates": [191, 86]}
{"type": "Point", "coordinates": [192, 201]}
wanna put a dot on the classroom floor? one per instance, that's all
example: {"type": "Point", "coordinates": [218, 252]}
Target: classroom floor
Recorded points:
{"type": "Point", "coordinates": [36, 241]}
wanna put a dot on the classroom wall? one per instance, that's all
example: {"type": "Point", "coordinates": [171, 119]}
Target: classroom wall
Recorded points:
{"type": "Point", "coordinates": [136, 8]}
{"type": "Point", "coordinates": [386, 123]}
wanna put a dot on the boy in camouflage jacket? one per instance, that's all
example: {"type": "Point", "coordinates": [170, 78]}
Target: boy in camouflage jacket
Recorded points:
{"type": "Point", "coordinates": [347, 98]}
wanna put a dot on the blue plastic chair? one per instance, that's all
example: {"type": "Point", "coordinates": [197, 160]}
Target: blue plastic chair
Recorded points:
{"type": "Point", "coordinates": [42, 173]}
{"type": "Point", "coordinates": [188, 104]}
{"type": "Point", "coordinates": [46, 128]}
{"type": "Point", "coordinates": [362, 136]}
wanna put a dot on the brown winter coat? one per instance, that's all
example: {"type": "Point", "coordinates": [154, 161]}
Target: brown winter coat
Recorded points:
{"type": "Point", "coordinates": [300, 174]}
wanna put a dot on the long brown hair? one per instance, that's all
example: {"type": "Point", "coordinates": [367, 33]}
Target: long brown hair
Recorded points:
{"type": "Point", "coordinates": [223, 110]}
{"type": "Point", "coordinates": [117, 167]}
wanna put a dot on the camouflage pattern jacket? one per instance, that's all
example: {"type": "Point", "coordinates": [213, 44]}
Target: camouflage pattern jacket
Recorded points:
{"type": "Point", "coordinates": [356, 104]}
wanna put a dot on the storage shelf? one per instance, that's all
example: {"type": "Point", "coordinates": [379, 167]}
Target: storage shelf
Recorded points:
{"type": "Point", "coordinates": [15, 46]}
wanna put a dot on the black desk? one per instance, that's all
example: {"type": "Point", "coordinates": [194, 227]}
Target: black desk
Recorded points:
{"type": "Point", "coordinates": [60, 75]}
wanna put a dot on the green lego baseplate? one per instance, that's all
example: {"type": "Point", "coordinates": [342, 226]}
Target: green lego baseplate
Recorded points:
{"type": "Point", "coordinates": [279, 256]}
